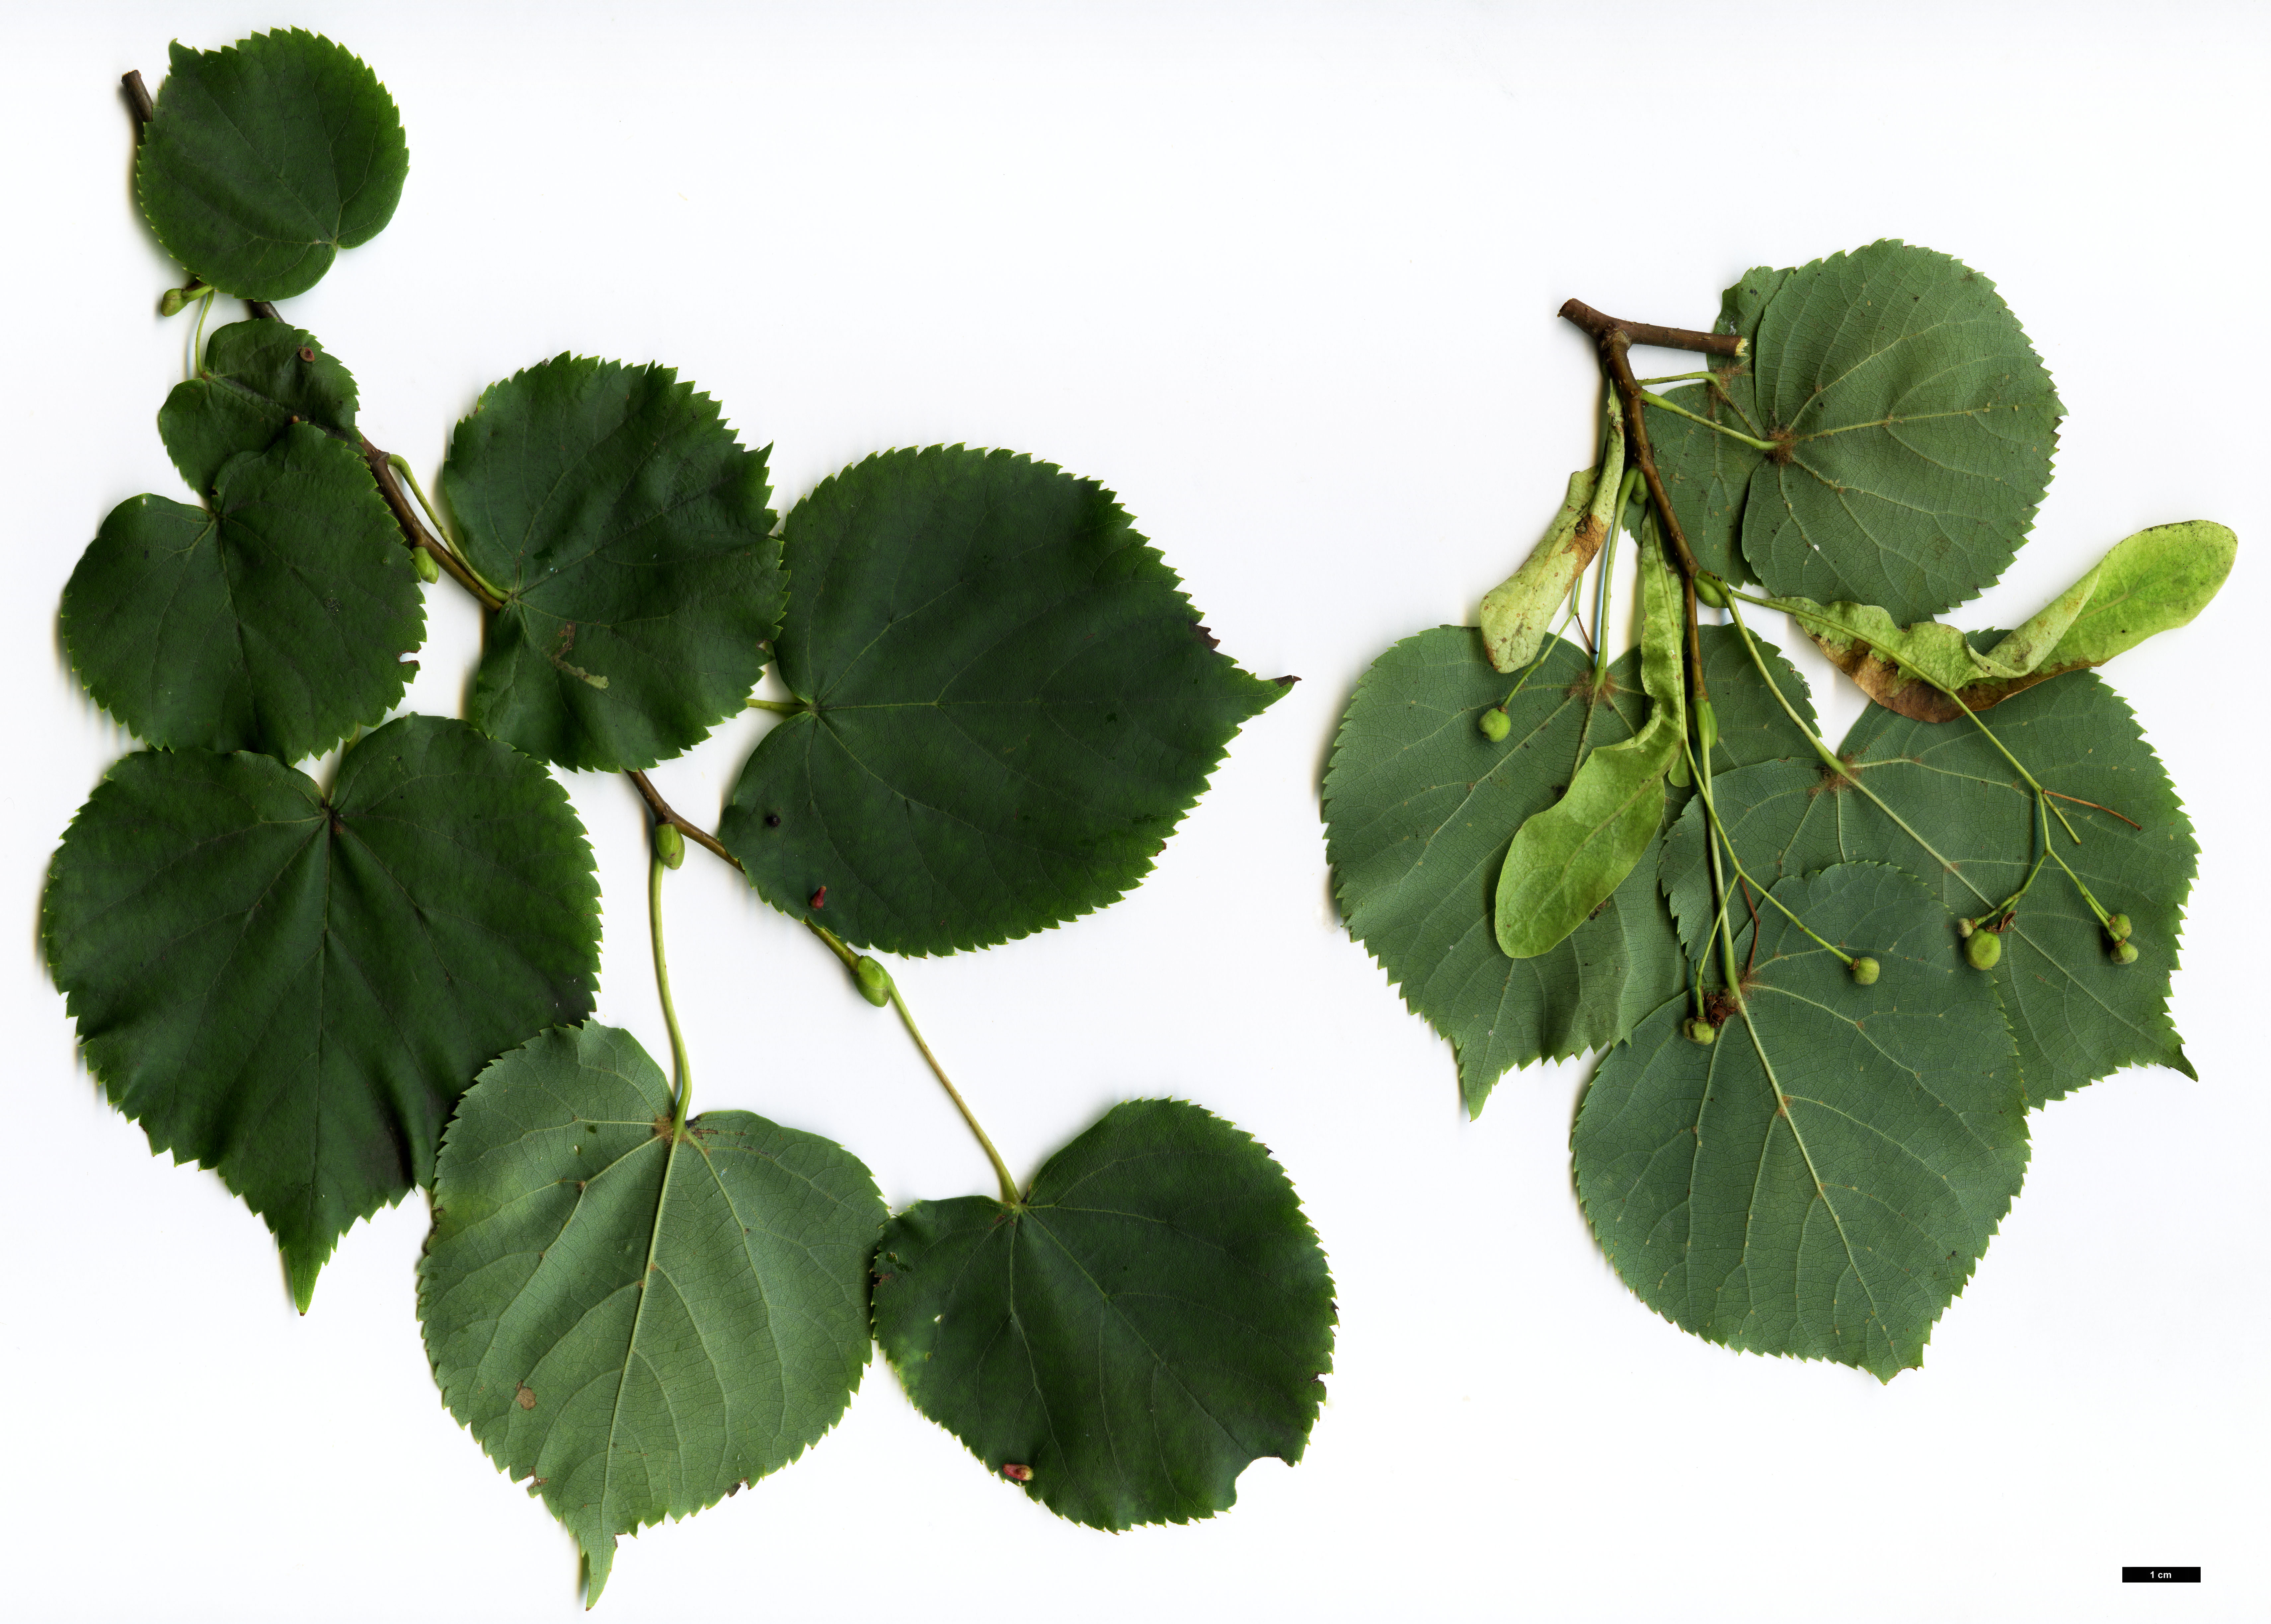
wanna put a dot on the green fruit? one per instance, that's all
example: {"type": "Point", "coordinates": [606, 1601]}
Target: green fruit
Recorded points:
{"type": "Point", "coordinates": [874, 981]}
{"type": "Point", "coordinates": [1984, 948]}
{"type": "Point", "coordinates": [1709, 592]}
{"type": "Point", "coordinates": [669, 845]}
{"type": "Point", "coordinates": [2124, 953]}
{"type": "Point", "coordinates": [2117, 928]}
{"type": "Point", "coordinates": [1494, 724]}
{"type": "Point", "coordinates": [1700, 1030]}
{"type": "Point", "coordinates": [1866, 971]}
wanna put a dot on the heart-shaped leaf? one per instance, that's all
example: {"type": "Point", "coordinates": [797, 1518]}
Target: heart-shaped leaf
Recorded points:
{"type": "Point", "coordinates": [638, 1319]}
{"type": "Point", "coordinates": [1419, 810]}
{"type": "Point", "coordinates": [1910, 427]}
{"type": "Point", "coordinates": [292, 989]}
{"type": "Point", "coordinates": [1008, 704]}
{"type": "Point", "coordinates": [1155, 1315]}
{"type": "Point", "coordinates": [1820, 1181]}
{"type": "Point", "coordinates": [256, 378]}
{"type": "Point", "coordinates": [1914, 425]}
{"type": "Point", "coordinates": [267, 158]}
{"type": "Point", "coordinates": [627, 530]}
{"type": "Point", "coordinates": [277, 621]}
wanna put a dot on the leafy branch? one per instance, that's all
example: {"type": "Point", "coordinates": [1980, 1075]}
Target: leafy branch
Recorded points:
{"type": "Point", "coordinates": [1004, 704]}
{"type": "Point", "coordinates": [1868, 441]}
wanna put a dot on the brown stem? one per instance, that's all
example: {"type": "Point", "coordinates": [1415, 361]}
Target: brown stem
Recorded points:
{"type": "Point", "coordinates": [836, 945]}
{"type": "Point", "coordinates": [1614, 357]}
{"type": "Point", "coordinates": [661, 807]}
{"type": "Point", "coordinates": [414, 532]}
{"type": "Point", "coordinates": [137, 99]}
{"type": "Point", "coordinates": [1730, 345]}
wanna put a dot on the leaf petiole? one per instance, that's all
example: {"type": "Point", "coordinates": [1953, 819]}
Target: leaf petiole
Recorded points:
{"type": "Point", "coordinates": [1720, 836]}
{"type": "Point", "coordinates": [779, 707]}
{"type": "Point", "coordinates": [681, 1073]}
{"type": "Point", "coordinates": [1681, 410]}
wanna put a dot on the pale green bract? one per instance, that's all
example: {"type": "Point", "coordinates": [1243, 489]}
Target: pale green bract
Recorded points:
{"type": "Point", "coordinates": [1518, 614]}
{"type": "Point", "coordinates": [2155, 581]}
{"type": "Point", "coordinates": [1566, 860]}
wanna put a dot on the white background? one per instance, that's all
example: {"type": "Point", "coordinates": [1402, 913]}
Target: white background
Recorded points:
{"type": "Point", "coordinates": [1285, 278]}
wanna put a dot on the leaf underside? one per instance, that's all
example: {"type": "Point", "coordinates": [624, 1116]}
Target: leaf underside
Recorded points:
{"type": "Point", "coordinates": [1154, 1316]}
{"type": "Point", "coordinates": [276, 620]}
{"type": "Point", "coordinates": [264, 159]}
{"type": "Point", "coordinates": [292, 990]}
{"type": "Point", "coordinates": [1917, 423]}
{"type": "Point", "coordinates": [2076, 1015]}
{"type": "Point", "coordinates": [1821, 1181]}
{"type": "Point", "coordinates": [640, 1323]}
{"type": "Point", "coordinates": [1420, 809]}
{"type": "Point", "coordinates": [629, 534]}
{"type": "Point", "coordinates": [1010, 705]}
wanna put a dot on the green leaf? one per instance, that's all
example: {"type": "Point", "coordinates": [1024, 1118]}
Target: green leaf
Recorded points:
{"type": "Point", "coordinates": [1971, 833]}
{"type": "Point", "coordinates": [294, 988]}
{"type": "Point", "coordinates": [1819, 1182]}
{"type": "Point", "coordinates": [1009, 705]}
{"type": "Point", "coordinates": [266, 159]}
{"type": "Point", "coordinates": [639, 1321]}
{"type": "Point", "coordinates": [1419, 811]}
{"type": "Point", "coordinates": [276, 622]}
{"type": "Point", "coordinates": [627, 530]}
{"type": "Point", "coordinates": [1707, 474]}
{"type": "Point", "coordinates": [1567, 860]}
{"type": "Point", "coordinates": [1916, 426]}
{"type": "Point", "coordinates": [2155, 581]}
{"type": "Point", "coordinates": [256, 378]}
{"type": "Point", "coordinates": [1153, 1316]}
{"type": "Point", "coordinates": [1518, 614]}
